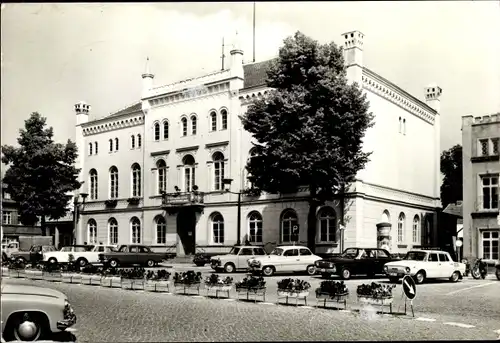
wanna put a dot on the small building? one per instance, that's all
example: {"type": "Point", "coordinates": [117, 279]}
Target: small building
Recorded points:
{"type": "Point", "coordinates": [481, 169]}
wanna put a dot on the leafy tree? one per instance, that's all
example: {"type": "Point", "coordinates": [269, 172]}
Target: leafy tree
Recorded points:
{"type": "Point", "coordinates": [451, 168]}
{"type": "Point", "coordinates": [309, 129]}
{"type": "Point", "coordinates": [40, 172]}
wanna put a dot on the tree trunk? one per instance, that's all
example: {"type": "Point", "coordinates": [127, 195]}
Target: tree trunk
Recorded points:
{"type": "Point", "coordinates": [311, 219]}
{"type": "Point", "coordinates": [42, 226]}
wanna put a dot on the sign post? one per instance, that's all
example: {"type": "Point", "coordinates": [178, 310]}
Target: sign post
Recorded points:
{"type": "Point", "coordinates": [410, 291]}
{"type": "Point", "coordinates": [295, 233]}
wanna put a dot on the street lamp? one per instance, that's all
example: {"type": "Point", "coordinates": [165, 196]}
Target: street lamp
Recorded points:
{"type": "Point", "coordinates": [227, 182]}
{"type": "Point", "coordinates": [76, 212]}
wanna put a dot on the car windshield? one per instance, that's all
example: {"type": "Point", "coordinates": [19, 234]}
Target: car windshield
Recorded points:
{"type": "Point", "coordinates": [277, 252]}
{"type": "Point", "coordinates": [234, 251]}
{"type": "Point", "coordinates": [349, 253]}
{"type": "Point", "coordinates": [415, 256]}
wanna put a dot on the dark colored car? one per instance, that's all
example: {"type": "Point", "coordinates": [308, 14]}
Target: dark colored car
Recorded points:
{"type": "Point", "coordinates": [34, 255]}
{"type": "Point", "coordinates": [201, 259]}
{"type": "Point", "coordinates": [497, 270]}
{"type": "Point", "coordinates": [355, 261]}
{"type": "Point", "coordinates": [128, 255]}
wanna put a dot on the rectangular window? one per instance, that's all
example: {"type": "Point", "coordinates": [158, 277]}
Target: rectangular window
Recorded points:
{"type": "Point", "coordinates": [489, 197]}
{"type": "Point", "coordinates": [110, 145]}
{"type": "Point", "coordinates": [494, 146]}
{"type": "Point", "coordinates": [6, 217]}
{"type": "Point", "coordinates": [490, 243]}
{"type": "Point", "coordinates": [6, 196]}
{"type": "Point", "coordinates": [483, 147]}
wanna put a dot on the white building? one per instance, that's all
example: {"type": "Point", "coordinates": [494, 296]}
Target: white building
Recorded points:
{"type": "Point", "coordinates": [189, 133]}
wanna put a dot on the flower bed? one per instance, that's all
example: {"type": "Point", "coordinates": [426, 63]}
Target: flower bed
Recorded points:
{"type": "Point", "coordinates": [187, 281]}
{"type": "Point", "coordinates": [110, 277]}
{"type": "Point", "coordinates": [251, 286]}
{"type": "Point", "coordinates": [157, 281]}
{"type": "Point", "coordinates": [216, 283]}
{"type": "Point", "coordinates": [293, 288]}
{"type": "Point", "coordinates": [16, 268]}
{"type": "Point", "coordinates": [90, 275]}
{"type": "Point", "coordinates": [133, 279]}
{"type": "Point", "coordinates": [332, 291]}
{"type": "Point", "coordinates": [376, 294]}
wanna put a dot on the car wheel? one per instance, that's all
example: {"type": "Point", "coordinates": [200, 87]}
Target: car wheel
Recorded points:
{"type": "Point", "coordinates": [268, 271]}
{"type": "Point", "coordinates": [26, 327]}
{"type": "Point", "coordinates": [455, 277]}
{"type": "Point", "coordinates": [394, 279]}
{"type": "Point", "coordinates": [150, 263]}
{"type": "Point", "coordinates": [311, 270]}
{"type": "Point", "coordinates": [346, 274]}
{"type": "Point", "coordinates": [52, 260]}
{"type": "Point", "coordinates": [113, 263]}
{"type": "Point", "coordinates": [229, 268]}
{"type": "Point", "coordinates": [82, 262]}
{"type": "Point", "coordinates": [420, 277]}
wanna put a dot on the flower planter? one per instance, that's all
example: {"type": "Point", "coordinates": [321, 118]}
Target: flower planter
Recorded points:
{"type": "Point", "coordinates": [255, 292]}
{"type": "Point", "coordinates": [52, 276]}
{"type": "Point", "coordinates": [17, 273]}
{"type": "Point", "coordinates": [385, 301]}
{"type": "Point", "coordinates": [85, 279]}
{"type": "Point", "coordinates": [157, 286]}
{"type": "Point", "coordinates": [95, 280]}
{"type": "Point", "coordinates": [217, 288]}
{"type": "Point", "coordinates": [5, 271]}
{"type": "Point", "coordinates": [111, 281]}
{"type": "Point", "coordinates": [186, 288]}
{"type": "Point", "coordinates": [327, 297]}
{"type": "Point", "coordinates": [68, 277]}
{"type": "Point", "coordinates": [138, 284]}
{"type": "Point", "coordinates": [76, 278]}
{"type": "Point", "coordinates": [282, 293]}
{"type": "Point", "coordinates": [126, 283]}
{"type": "Point", "coordinates": [34, 274]}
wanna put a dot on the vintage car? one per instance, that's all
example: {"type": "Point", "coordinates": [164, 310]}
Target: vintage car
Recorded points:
{"type": "Point", "coordinates": [355, 261]}
{"type": "Point", "coordinates": [236, 259]}
{"type": "Point", "coordinates": [128, 255]}
{"type": "Point", "coordinates": [285, 259]}
{"type": "Point", "coordinates": [9, 248]}
{"type": "Point", "coordinates": [31, 313]}
{"type": "Point", "coordinates": [82, 254]}
{"type": "Point", "coordinates": [425, 264]}
{"type": "Point", "coordinates": [497, 270]}
{"type": "Point", "coordinates": [35, 254]}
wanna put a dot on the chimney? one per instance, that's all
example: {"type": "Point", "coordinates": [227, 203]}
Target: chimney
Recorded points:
{"type": "Point", "coordinates": [432, 96]}
{"type": "Point", "coordinates": [353, 55]}
{"type": "Point", "coordinates": [82, 110]}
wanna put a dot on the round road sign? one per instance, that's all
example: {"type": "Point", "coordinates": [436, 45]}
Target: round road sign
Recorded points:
{"type": "Point", "coordinates": [295, 228]}
{"type": "Point", "coordinates": [409, 287]}
{"type": "Point", "coordinates": [458, 243]}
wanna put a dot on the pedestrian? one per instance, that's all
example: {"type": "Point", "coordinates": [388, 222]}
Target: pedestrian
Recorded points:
{"type": "Point", "coordinates": [84, 243]}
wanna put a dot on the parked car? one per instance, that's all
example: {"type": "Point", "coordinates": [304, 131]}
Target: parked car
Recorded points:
{"type": "Point", "coordinates": [355, 261]}
{"type": "Point", "coordinates": [425, 264]}
{"type": "Point", "coordinates": [201, 259]}
{"type": "Point", "coordinates": [34, 255]}
{"type": "Point", "coordinates": [31, 313]}
{"type": "Point", "coordinates": [497, 270]}
{"type": "Point", "coordinates": [285, 259]}
{"type": "Point", "coordinates": [236, 259]}
{"type": "Point", "coordinates": [128, 255]}
{"type": "Point", "coordinates": [9, 248]}
{"type": "Point", "coordinates": [82, 254]}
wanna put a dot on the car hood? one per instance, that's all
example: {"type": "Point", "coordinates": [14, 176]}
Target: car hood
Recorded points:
{"type": "Point", "coordinates": [15, 289]}
{"type": "Point", "coordinates": [338, 259]}
{"type": "Point", "coordinates": [400, 263]}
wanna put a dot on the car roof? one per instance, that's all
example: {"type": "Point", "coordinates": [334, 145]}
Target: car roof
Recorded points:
{"type": "Point", "coordinates": [292, 246]}
{"type": "Point", "coordinates": [247, 246]}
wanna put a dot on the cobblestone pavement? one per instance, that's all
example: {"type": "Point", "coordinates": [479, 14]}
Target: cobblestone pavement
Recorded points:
{"type": "Point", "coordinates": [115, 315]}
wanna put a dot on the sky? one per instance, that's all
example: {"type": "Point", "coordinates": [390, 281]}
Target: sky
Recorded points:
{"type": "Point", "coordinates": [54, 55]}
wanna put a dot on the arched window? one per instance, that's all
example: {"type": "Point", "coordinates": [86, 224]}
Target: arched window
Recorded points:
{"type": "Point", "coordinates": [116, 144]}
{"type": "Point", "coordinates": [161, 168]}
{"type": "Point", "coordinates": [404, 126]}
{"type": "Point", "coordinates": [113, 182]}
{"type": "Point", "coordinates": [96, 148]}
{"type": "Point", "coordinates": [93, 184]}
{"type": "Point", "coordinates": [217, 228]}
{"type": "Point", "coordinates": [90, 148]}
{"type": "Point", "coordinates": [161, 230]}
{"type": "Point", "coordinates": [428, 227]}
{"type": "Point", "coordinates": [416, 229]}
{"type": "Point", "coordinates": [193, 125]}
{"type": "Point", "coordinates": [401, 226]}
{"type": "Point", "coordinates": [110, 145]}
{"type": "Point", "coordinates": [132, 141]}
{"type": "Point", "coordinates": [156, 128]}
{"type": "Point", "coordinates": [184, 123]}
{"type": "Point", "coordinates": [400, 124]}
{"type": "Point", "coordinates": [189, 172]}
{"type": "Point", "coordinates": [218, 159]}
{"type": "Point", "coordinates": [165, 131]}
{"type": "Point", "coordinates": [288, 221]}
{"type": "Point", "coordinates": [92, 231]}
{"type": "Point", "coordinates": [139, 141]}
{"type": "Point", "coordinates": [223, 115]}
{"type": "Point", "coordinates": [135, 224]}
{"type": "Point", "coordinates": [112, 231]}
{"type": "Point", "coordinates": [136, 180]}
{"type": "Point", "coordinates": [255, 227]}
{"type": "Point", "coordinates": [213, 121]}
{"type": "Point", "coordinates": [327, 224]}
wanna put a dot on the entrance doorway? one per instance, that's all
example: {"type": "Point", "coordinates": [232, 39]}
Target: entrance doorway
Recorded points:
{"type": "Point", "coordinates": [186, 230]}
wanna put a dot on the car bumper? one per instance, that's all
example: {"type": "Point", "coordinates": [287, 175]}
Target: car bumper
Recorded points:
{"type": "Point", "coordinates": [326, 270]}
{"type": "Point", "coordinates": [66, 323]}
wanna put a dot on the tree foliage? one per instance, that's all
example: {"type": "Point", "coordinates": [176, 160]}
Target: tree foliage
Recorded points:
{"type": "Point", "coordinates": [40, 172]}
{"type": "Point", "coordinates": [309, 129]}
{"type": "Point", "coordinates": [451, 168]}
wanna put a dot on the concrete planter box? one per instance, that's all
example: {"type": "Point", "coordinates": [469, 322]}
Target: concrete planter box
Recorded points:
{"type": "Point", "coordinates": [54, 277]}
{"type": "Point", "coordinates": [138, 285]}
{"type": "Point", "coordinates": [290, 294]}
{"type": "Point", "coordinates": [76, 278]}
{"type": "Point", "coordinates": [68, 277]}
{"type": "Point", "coordinates": [186, 288]}
{"type": "Point", "coordinates": [34, 274]}
{"type": "Point", "coordinates": [127, 283]}
{"type": "Point", "coordinates": [254, 292]}
{"type": "Point", "coordinates": [157, 286]}
{"type": "Point", "coordinates": [375, 301]}
{"type": "Point", "coordinates": [5, 271]}
{"type": "Point", "coordinates": [86, 279]}
{"type": "Point", "coordinates": [111, 281]}
{"type": "Point", "coordinates": [17, 273]}
{"type": "Point", "coordinates": [95, 280]}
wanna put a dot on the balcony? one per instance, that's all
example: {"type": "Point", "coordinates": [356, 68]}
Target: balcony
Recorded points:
{"type": "Point", "coordinates": [172, 202]}
{"type": "Point", "coordinates": [484, 207]}
{"type": "Point", "coordinates": [485, 158]}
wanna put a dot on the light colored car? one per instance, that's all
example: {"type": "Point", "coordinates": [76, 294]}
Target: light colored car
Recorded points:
{"type": "Point", "coordinates": [31, 313]}
{"type": "Point", "coordinates": [425, 264]}
{"type": "Point", "coordinates": [8, 248]}
{"type": "Point", "coordinates": [285, 259]}
{"type": "Point", "coordinates": [236, 259]}
{"type": "Point", "coordinates": [83, 254]}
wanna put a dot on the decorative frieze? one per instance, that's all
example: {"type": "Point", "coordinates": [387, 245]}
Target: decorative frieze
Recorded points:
{"type": "Point", "coordinates": [185, 94]}
{"type": "Point", "coordinates": [191, 83]}
{"type": "Point", "coordinates": [257, 94]}
{"type": "Point", "coordinates": [111, 124]}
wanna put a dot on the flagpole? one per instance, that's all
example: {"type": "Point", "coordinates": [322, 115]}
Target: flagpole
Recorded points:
{"type": "Point", "coordinates": [254, 31]}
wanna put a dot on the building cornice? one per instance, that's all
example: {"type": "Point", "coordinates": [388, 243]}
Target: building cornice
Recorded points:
{"type": "Point", "coordinates": [113, 123]}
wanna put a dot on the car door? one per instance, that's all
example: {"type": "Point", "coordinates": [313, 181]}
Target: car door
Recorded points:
{"type": "Point", "coordinates": [306, 258]}
{"type": "Point", "coordinates": [35, 253]}
{"type": "Point", "coordinates": [291, 260]}
{"type": "Point", "coordinates": [363, 264]}
{"type": "Point", "coordinates": [445, 265]}
{"type": "Point", "coordinates": [381, 258]}
{"type": "Point", "coordinates": [432, 265]}
{"type": "Point", "coordinates": [244, 255]}
{"type": "Point", "coordinates": [134, 256]}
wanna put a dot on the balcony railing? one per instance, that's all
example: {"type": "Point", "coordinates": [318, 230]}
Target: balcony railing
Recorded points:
{"type": "Point", "coordinates": [182, 199]}
{"type": "Point", "coordinates": [489, 204]}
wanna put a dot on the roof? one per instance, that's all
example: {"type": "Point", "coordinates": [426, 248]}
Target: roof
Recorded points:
{"type": "Point", "coordinates": [256, 73]}
{"type": "Point", "coordinates": [454, 209]}
{"type": "Point", "coordinates": [127, 110]}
